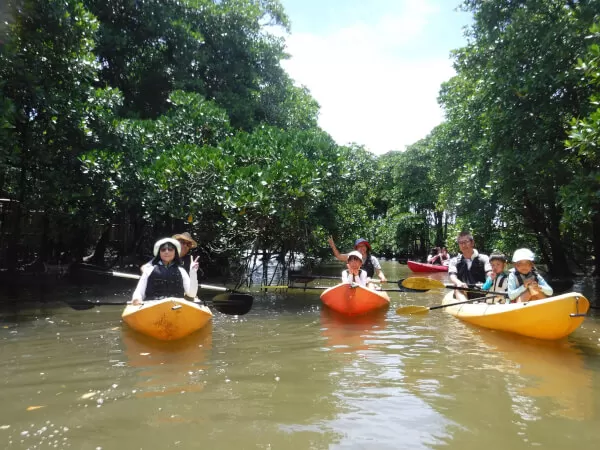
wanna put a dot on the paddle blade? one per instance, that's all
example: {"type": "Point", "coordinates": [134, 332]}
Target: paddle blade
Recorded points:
{"type": "Point", "coordinates": [233, 304]}
{"type": "Point", "coordinates": [422, 283]}
{"type": "Point", "coordinates": [412, 309]}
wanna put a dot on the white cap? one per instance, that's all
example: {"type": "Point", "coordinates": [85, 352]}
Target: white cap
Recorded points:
{"type": "Point", "coordinates": [523, 254]}
{"type": "Point", "coordinates": [160, 242]}
{"type": "Point", "coordinates": [355, 253]}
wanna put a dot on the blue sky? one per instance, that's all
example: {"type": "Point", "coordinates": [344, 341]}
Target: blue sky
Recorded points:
{"type": "Point", "coordinates": [374, 66]}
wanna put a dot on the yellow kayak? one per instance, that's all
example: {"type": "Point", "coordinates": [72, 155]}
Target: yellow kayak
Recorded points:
{"type": "Point", "coordinates": [550, 318]}
{"type": "Point", "coordinates": [167, 319]}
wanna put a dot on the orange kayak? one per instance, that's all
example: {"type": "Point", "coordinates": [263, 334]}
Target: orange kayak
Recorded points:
{"type": "Point", "coordinates": [353, 301]}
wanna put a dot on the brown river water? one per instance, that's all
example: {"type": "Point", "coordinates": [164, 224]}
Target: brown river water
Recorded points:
{"type": "Point", "coordinates": [289, 375]}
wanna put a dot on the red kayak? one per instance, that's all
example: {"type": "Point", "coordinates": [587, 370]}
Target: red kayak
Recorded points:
{"type": "Point", "coordinates": [423, 267]}
{"type": "Point", "coordinates": [353, 301]}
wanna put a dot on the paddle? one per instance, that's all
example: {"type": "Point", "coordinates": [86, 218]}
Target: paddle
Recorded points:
{"type": "Point", "coordinates": [304, 279]}
{"type": "Point", "coordinates": [321, 288]}
{"type": "Point", "coordinates": [414, 309]}
{"type": "Point", "coordinates": [423, 284]}
{"type": "Point", "coordinates": [232, 303]}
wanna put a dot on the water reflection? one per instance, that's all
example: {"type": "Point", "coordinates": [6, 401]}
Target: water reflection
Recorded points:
{"type": "Point", "coordinates": [546, 370]}
{"type": "Point", "coordinates": [350, 333]}
{"type": "Point", "coordinates": [171, 367]}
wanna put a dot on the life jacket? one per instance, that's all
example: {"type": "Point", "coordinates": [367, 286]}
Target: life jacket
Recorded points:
{"type": "Point", "coordinates": [165, 282]}
{"type": "Point", "coordinates": [368, 266]}
{"type": "Point", "coordinates": [470, 276]}
{"type": "Point", "coordinates": [500, 283]}
{"type": "Point", "coordinates": [475, 275]}
{"type": "Point", "coordinates": [533, 274]}
{"type": "Point", "coordinates": [186, 262]}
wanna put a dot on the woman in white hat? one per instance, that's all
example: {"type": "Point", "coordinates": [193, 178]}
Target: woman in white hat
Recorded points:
{"type": "Point", "coordinates": [164, 276]}
{"type": "Point", "coordinates": [524, 283]}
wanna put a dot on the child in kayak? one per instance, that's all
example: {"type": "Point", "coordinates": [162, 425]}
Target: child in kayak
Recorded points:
{"type": "Point", "coordinates": [497, 281]}
{"type": "Point", "coordinates": [354, 274]}
{"type": "Point", "coordinates": [524, 283]}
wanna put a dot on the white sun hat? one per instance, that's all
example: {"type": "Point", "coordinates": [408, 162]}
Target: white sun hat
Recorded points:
{"type": "Point", "coordinates": [171, 241]}
{"type": "Point", "coordinates": [523, 254]}
{"type": "Point", "coordinates": [355, 253]}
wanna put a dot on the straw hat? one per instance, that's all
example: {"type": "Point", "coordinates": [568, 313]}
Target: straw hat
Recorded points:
{"type": "Point", "coordinates": [186, 237]}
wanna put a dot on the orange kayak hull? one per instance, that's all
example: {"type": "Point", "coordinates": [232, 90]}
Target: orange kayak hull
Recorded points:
{"type": "Point", "coordinates": [354, 301]}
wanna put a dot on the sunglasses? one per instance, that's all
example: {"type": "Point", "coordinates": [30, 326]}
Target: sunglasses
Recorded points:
{"type": "Point", "coordinates": [186, 243]}
{"type": "Point", "coordinates": [167, 247]}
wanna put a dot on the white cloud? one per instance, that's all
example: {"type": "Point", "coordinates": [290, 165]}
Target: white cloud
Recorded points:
{"type": "Point", "coordinates": [368, 91]}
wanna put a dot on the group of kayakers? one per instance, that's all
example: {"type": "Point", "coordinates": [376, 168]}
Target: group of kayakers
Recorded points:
{"type": "Point", "coordinates": [467, 270]}
{"type": "Point", "coordinates": [174, 271]}
{"type": "Point", "coordinates": [471, 268]}
{"type": "Point", "coordinates": [439, 256]}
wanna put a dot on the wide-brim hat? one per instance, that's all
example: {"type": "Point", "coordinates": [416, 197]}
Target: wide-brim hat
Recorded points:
{"type": "Point", "coordinates": [163, 241]}
{"type": "Point", "coordinates": [362, 241]}
{"type": "Point", "coordinates": [186, 237]}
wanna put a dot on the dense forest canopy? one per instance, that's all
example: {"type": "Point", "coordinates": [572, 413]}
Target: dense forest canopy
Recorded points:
{"type": "Point", "coordinates": [125, 120]}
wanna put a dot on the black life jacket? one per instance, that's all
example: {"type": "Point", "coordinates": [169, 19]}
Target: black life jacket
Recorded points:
{"type": "Point", "coordinates": [165, 282]}
{"type": "Point", "coordinates": [532, 274]}
{"type": "Point", "coordinates": [186, 262]}
{"type": "Point", "coordinates": [475, 275]}
{"type": "Point", "coordinates": [500, 283]}
{"type": "Point", "coordinates": [368, 266]}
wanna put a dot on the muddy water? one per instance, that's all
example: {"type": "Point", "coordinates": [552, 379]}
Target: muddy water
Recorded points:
{"type": "Point", "coordinates": [290, 374]}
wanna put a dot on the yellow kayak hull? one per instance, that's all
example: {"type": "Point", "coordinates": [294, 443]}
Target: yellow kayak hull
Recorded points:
{"type": "Point", "coordinates": [168, 319]}
{"type": "Point", "coordinates": [551, 318]}
{"type": "Point", "coordinates": [353, 301]}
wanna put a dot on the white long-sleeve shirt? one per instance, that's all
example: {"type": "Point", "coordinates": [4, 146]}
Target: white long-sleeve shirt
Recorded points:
{"type": "Point", "coordinates": [361, 279]}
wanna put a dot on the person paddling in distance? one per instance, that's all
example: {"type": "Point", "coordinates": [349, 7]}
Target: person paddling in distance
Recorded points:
{"type": "Point", "coordinates": [497, 281]}
{"type": "Point", "coordinates": [164, 276]}
{"type": "Point", "coordinates": [370, 264]}
{"type": "Point", "coordinates": [468, 268]}
{"type": "Point", "coordinates": [524, 283]}
{"type": "Point", "coordinates": [354, 274]}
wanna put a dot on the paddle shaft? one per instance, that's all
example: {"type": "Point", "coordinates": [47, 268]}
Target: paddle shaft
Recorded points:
{"type": "Point", "coordinates": [474, 289]}
{"type": "Point", "coordinates": [461, 303]}
{"type": "Point", "coordinates": [133, 276]}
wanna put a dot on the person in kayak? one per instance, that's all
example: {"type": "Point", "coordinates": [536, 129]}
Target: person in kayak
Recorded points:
{"type": "Point", "coordinates": [468, 268]}
{"type": "Point", "coordinates": [524, 283]}
{"type": "Point", "coordinates": [498, 279]}
{"type": "Point", "coordinates": [187, 244]}
{"type": "Point", "coordinates": [434, 256]}
{"type": "Point", "coordinates": [441, 257]}
{"type": "Point", "coordinates": [164, 276]}
{"type": "Point", "coordinates": [187, 259]}
{"type": "Point", "coordinates": [370, 264]}
{"type": "Point", "coordinates": [354, 274]}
